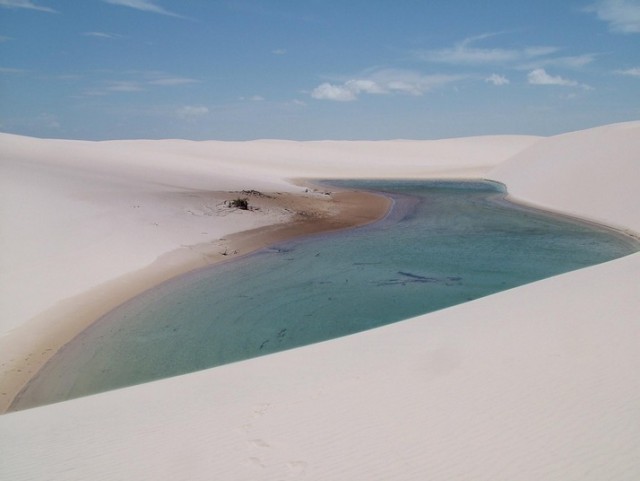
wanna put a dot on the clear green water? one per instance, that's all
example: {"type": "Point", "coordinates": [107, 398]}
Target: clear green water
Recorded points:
{"type": "Point", "coordinates": [444, 243]}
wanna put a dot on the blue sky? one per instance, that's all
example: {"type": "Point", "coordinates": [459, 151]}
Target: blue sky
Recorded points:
{"type": "Point", "coordinates": [316, 69]}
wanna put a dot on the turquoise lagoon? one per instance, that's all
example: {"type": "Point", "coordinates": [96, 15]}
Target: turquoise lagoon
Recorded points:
{"type": "Point", "coordinates": [443, 243]}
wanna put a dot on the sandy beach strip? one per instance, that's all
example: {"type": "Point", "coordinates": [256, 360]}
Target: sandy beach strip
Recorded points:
{"type": "Point", "coordinates": [323, 211]}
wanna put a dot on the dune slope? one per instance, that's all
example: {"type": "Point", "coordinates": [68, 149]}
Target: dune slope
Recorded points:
{"type": "Point", "coordinates": [592, 174]}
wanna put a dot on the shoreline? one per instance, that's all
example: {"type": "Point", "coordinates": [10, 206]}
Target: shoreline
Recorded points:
{"type": "Point", "coordinates": [347, 208]}
{"type": "Point", "coordinates": [622, 232]}
{"type": "Point", "coordinates": [59, 325]}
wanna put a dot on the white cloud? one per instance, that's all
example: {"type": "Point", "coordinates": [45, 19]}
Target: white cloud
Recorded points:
{"type": "Point", "coordinates": [539, 76]}
{"type": "Point", "coordinates": [279, 51]}
{"type": "Point", "coordinates": [497, 80]}
{"type": "Point", "coordinates": [191, 112]}
{"type": "Point", "coordinates": [463, 53]}
{"type": "Point", "coordinates": [143, 5]}
{"type": "Point", "coordinates": [368, 86]}
{"type": "Point", "coordinates": [623, 16]}
{"type": "Point", "coordinates": [25, 4]}
{"type": "Point", "coordinates": [327, 91]}
{"type": "Point", "coordinates": [382, 82]}
{"type": "Point", "coordinates": [633, 72]}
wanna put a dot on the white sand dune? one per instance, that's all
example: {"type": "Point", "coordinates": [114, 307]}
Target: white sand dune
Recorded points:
{"type": "Point", "coordinates": [539, 382]}
{"type": "Point", "coordinates": [592, 174]}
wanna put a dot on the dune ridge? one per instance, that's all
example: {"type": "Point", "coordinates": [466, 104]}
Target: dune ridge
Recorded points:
{"type": "Point", "coordinates": [538, 382]}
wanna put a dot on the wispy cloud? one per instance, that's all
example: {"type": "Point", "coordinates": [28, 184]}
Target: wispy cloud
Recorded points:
{"type": "Point", "coordinates": [633, 72]}
{"type": "Point", "coordinates": [253, 98]}
{"type": "Point", "coordinates": [102, 35]}
{"type": "Point", "coordinates": [382, 82]}
{"type": "Point", "coordinates": [279, 51]}
{"type": "Point", "coordinates": [465, 53]}
{"type": "Point", "coordinates": [28, 4]}
{"type": "Point", "coordinates": [144, 5]}
{"type": "Point", "coordinates": [572, 62]}
{"type": "Point", "coordinates": [9, 70]}
{"type": "Point", "coordinates": [173, 81]}
{"type": "Point", "coordinates": [124, 86]}
{"type": "Point", "coordinates": [138, 81]}
{"type": "Point", "coordinates": [68, 77]}
{"type": "Point", "coordinates": [623, 16]}
{"type": "Point", "coordinates": [541, 77]}
{"type": "Point", "coordinates": [192, 112]}
{"type": "Point", "coordinates": [497, 80]}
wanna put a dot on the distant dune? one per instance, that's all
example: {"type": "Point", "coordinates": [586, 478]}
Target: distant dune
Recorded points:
{"type": "Point", "coordinates": [535, 383]}
{"type": "Point", "coordinates": [593, 174]}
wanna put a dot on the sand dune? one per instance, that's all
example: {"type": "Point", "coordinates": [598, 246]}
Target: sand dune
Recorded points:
{"type": "Point", "coordinates": [592, 174]}
{"type": "Point", "coordinates": [539, 382]}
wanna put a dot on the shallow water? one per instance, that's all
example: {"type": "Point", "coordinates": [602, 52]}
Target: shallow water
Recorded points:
{"type": "Point", "coordinates": [443, 243]}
